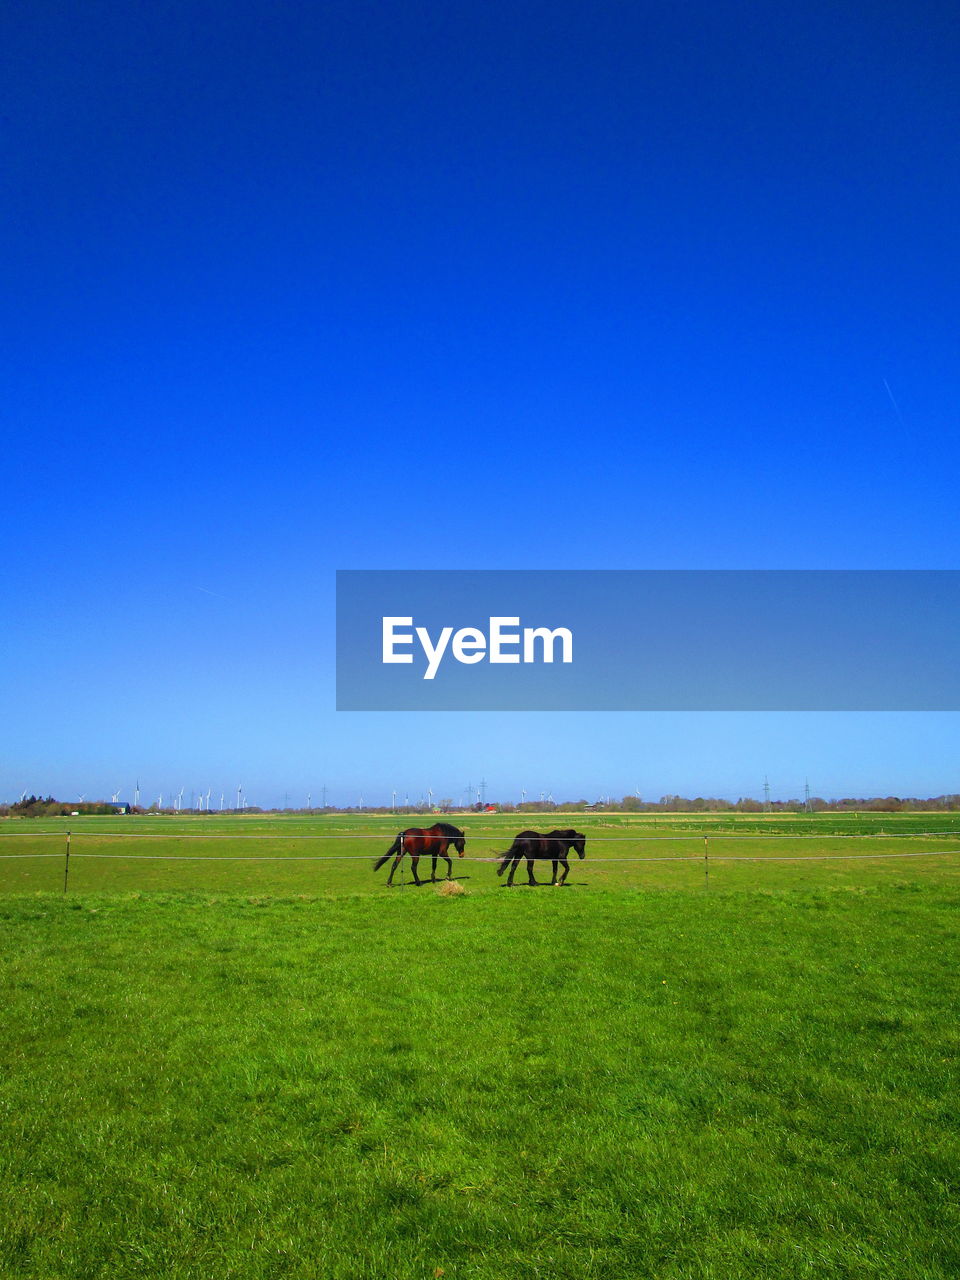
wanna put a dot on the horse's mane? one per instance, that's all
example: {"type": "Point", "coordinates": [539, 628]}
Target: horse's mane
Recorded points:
{"type": "Point", "coordinates": [446, 829]}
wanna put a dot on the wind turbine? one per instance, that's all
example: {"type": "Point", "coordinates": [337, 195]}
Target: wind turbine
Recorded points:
{"type": "Point", "coordinates": [179, 803]}
{"type": "Point", "coordinates": [523, 796]}
{"type": "Point", "coordinates": [221, 802]}
{"type": "Point", "coordinates": [208, 800]}
{"type": "Point", "coordinates": [393, 801]}
{"type": "Point", "coordinates": [430, 797]}
{"type": "Point", "coordinates": [136, 796]}
{"type": "Point", "coordinates": [116, 795]}
{"type": "Point", "coordinates": [80, 801]}
{"type": "Point", "coordinates": [239, 793]}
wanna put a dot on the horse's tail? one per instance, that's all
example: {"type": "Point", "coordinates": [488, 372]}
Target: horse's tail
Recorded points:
{"type": "Point", "coordinates": [394, 848]}
{"type": "Point", "coordinates": [506, 859]}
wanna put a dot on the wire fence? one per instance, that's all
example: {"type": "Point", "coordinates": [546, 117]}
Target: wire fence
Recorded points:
{"type": "Point", "coordinates": [492, 859]}
{"type": "Point", "coordinates": [381, 835]}
{"type": "Point", "coordinates": [705, 854]}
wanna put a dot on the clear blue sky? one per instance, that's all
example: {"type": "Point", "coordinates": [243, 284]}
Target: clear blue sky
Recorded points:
{"type": "Point", "coordinates": [298, 287]}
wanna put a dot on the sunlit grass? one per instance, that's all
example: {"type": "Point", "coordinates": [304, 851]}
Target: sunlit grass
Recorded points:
{"type": "Point", "coordinates": [334, 854]}
{"type": "Point", "coordinates": [607, 1083]}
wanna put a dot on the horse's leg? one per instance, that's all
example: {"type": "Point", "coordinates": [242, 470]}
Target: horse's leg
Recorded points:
{"type": "Point", "coordinates": [531, 879]}
{"type": "Point", "coordinates": [447, 859]}
{"type": "Point", "coordinates": [513, 867]}
{"type": "Point", "coordinates": [554, 877]}
{"type": "Point", "coordinates": [433, 869]}
{"type": "Point", "coordinates": [566, 871]}
{"type": "Point", "coordinates": [396, 863]}
{"type": "Point", "coordinates": [414, 862]}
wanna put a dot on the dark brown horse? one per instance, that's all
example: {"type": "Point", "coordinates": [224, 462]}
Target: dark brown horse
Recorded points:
{"type": "Point", "coordinates": [553, 847]}
{"type": "Point", "coordinates": [431, 842]}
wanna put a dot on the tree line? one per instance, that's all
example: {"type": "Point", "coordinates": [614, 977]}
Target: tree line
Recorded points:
{"type": "Point", "coordinates": [39, 806]}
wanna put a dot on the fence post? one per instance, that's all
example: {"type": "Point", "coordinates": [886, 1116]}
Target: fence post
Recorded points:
{"type": "Point", "coordinates": [706, 864]}
{"type": "Point", "coordinates": [66, 864]}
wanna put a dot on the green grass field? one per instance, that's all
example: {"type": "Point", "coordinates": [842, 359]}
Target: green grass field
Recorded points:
{"type": "Point", "coordinates": [334, 855]}
{"type": "Point", "coordinates": [282, 1069]}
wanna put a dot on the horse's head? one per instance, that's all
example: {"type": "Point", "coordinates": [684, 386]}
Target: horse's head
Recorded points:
{"type": "Point", "coordinates": [460, 845]}
{"type": "Point", "coordinates": [572, 839]}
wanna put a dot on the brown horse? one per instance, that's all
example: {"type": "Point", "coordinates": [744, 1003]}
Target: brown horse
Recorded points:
{"type": "Point", "coordinates": [431, 842]}
{"type": "Point", "coordinates": [553, 847]}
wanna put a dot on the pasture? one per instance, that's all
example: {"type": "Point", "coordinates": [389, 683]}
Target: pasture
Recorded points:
{"type": "Point", "coordinates": [333, 855]}
{"type": "Point", "coordinates": [279, 1068]}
